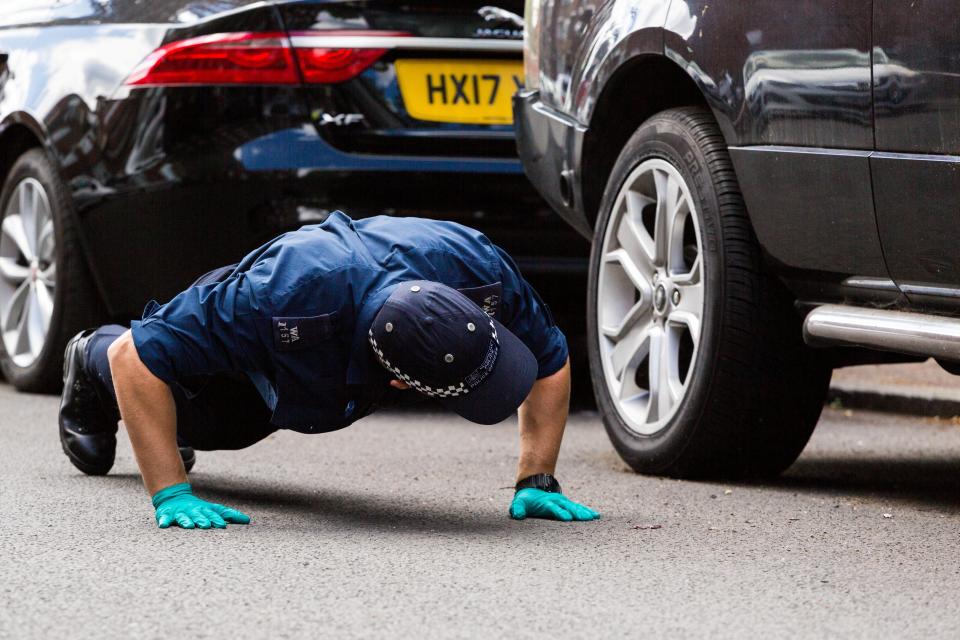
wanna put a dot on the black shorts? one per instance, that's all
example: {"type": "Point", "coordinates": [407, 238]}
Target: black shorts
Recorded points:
{"type": "Point", "coordinates": [221, 411]}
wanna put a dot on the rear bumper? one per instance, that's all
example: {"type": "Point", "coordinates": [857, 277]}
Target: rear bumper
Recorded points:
{"type": "Point", "coordinates": [303, 150]}
{"type": "Point", "coordinates": [550, 146]}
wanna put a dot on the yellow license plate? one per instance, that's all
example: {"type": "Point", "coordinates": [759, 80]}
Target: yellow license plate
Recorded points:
{"type": "Point", "coordinates": [463, 91]}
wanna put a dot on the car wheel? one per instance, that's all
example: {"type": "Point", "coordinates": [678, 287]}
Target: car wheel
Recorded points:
{"type": "Point", "coordinates": [696, 355]}
{"type": "Point", "coordinates": [46, 295]}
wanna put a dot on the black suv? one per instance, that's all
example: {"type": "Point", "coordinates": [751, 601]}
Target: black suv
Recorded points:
{"type": "Point", "coordinates": [756, 179]}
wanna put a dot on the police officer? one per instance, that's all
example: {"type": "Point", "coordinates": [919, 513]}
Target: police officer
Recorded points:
{"type": "Point", "coordinates": [311, 332]}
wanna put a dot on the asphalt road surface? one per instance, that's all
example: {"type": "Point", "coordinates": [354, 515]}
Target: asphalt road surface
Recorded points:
{"type": "Point", "coordinates": [397, 527]}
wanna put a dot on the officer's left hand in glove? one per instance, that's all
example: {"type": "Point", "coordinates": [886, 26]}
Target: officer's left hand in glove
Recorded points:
{"type": "Point", "coordinates": [177, 505]}
{"type": "Point", "coordinates": [537, 503]}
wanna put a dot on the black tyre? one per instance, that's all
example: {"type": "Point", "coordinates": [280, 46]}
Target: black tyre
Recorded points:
{"type": "Point", "coordinates": [696, 355]}
{"type": "Point", "coordinates": [46, 294]}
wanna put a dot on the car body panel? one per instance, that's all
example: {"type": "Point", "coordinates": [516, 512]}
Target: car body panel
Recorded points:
{"type": "Point", "coordinates": [770, 82]}
{"type": "Point", "coordinates": [50, 13]}
{"type": "Point", "coordinates": [917, 77]}
{"type": "Point", "coordinates": [552, 143]}
{"type": "Point", "coordinates": [916, 168]}
{"type": "Point", "coordinates": [589, 41]}
{"type": "Point", "coordinates": [822, 241]}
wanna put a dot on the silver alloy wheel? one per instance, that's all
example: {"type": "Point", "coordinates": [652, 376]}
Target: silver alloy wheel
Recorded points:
{"type": "Point", "coordinates": [650, 296]}
{"type": "Point", "coordinates": [28, 272]}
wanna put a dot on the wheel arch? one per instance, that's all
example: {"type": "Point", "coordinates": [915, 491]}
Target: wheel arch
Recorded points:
{"type": "Point", "coordinates": [621, 109]}
{"type": "Point", "coordinates": [18, 134]}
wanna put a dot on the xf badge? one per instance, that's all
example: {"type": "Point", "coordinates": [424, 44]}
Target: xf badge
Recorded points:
{"type": "Point", "coordinates": [338, 119]}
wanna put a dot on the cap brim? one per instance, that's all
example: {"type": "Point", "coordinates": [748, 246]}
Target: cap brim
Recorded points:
{"type": "Point", "coordinates": [504, 389]}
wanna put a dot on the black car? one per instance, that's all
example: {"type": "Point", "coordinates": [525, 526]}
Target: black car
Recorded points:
{"type": "Point", "coordinates": [142, 143]}
{"type": "Point", "coordinates": [756, 178]}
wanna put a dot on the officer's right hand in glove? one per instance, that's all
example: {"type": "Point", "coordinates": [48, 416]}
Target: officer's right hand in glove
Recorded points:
{"type": "Point", "coordinates": [177, 505]}
{"type": "Point", "coordinates": [536, 503]}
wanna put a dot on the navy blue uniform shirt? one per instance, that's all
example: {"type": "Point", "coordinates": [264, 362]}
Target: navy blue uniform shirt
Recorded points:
{"type": "Point", "coordinates": [294, 314]}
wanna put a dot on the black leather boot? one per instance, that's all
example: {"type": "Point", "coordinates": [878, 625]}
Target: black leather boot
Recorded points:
{"type": "Point", "coordinates": [88, 425]}
{"type": "Point", "coordinates": [88, 417]}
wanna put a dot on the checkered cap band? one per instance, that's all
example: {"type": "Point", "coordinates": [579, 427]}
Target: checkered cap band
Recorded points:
{"type": "Point", "coordinates": [451, 391]}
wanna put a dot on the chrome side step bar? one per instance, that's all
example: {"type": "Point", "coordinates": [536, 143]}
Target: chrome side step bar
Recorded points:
{"type": "Point", "coordinates": [901, 331]}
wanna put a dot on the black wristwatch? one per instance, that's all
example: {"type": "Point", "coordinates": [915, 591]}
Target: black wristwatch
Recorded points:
{"type": "Point", "coordinates": [542, 481]}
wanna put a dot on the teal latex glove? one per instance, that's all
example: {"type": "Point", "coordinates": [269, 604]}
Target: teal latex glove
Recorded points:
{"type": "Point", "coordinates": [177, 505]}
{"type": "Point", "coordinates": [536, 503]}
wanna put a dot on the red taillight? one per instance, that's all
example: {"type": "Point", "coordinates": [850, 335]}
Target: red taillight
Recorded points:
{"type": "Point", "coordinates": [222, 58]}
{"type": "Point", "coordinates": [262, 58]}
{"type": "Point", "coordinates": [331, 56]}
{"type": "Point", "coordinates": [327, 66]}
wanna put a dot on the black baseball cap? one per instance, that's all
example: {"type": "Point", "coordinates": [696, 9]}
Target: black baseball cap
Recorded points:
{"type": "Point", "coordinates": [439, 342]}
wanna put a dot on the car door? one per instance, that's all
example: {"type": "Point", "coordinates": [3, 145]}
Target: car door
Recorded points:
{"type": "Point", "coordinates": [916, 168]}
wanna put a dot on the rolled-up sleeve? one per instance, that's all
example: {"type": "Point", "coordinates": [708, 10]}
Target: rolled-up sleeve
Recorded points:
{"type": "Point", "coordinates": [205, 329]}
{"type": "Point", "coordinates": [528, 317]}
